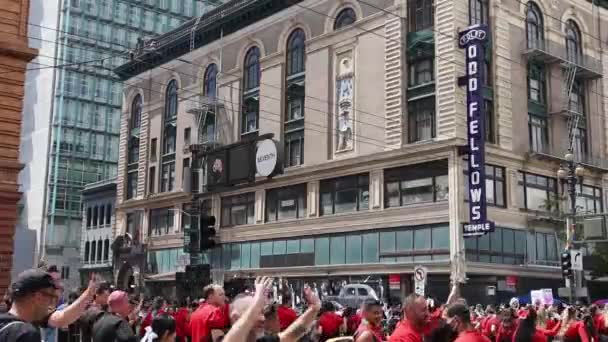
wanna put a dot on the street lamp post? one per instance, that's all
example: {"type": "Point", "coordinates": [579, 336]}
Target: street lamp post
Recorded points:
{"type": "Point", "coordinates": [570, 173]}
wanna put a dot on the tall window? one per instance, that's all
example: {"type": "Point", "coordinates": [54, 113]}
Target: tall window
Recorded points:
{"type": "Point", "coordinates": [238, 210]}
{"type": "Point", "coordinates": [534, 27]}
{"type": "Point", "coordinates": [536, 83]}
{"type": "Point", "coordinates": [496, 188]}
{"type": "Point", "coordinates": [133, 146]}
{"type": "Point", "coordinates": [421, 14]}
{"type": "Point", "coordinates": [573, 42]}
{"type": "Point", "coordinates": [345, 18]}
{"type": "Point", "coordinates": [423, 183]}
{"type": "Point", "coordinates": [169, 138]}
{"type": "Point", "coordinates": [210, 80]}
{"type": "Point", "coordinates": [479, 12]}
{"type": "Point", "coordinates": [421, 71]}
{"type": "Point", "coordinates": [421, 115]}
{"type": "Point", "coordinates": [537, 127]}
{"type": "Point", "coordinates": [345, 194]}
{"type": "Point", "coordinates": [161, 221]}
{"type": "Point", "coordinates": [286, 203]}
{"type": "Point", "coordinates": [106, 250]}
{"type": "Point", "coordinates": [87, 251]}
{"type": "Point", "coordinates": [537, 192]}
{"type": "Point", "coordinates": [294, 118]}
{"type": "Point", "coordinates": [589, 199]}
{"type": "Point", "coordinates": [251, 99]}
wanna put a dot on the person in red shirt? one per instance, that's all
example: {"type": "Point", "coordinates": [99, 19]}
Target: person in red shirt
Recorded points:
{"type": "Point", "coordinates": [181, 323]}
{"type": "Point", "coordinates": [353, 319]}
{"type": "Point", "coordinates": [599, 320]}
{"type": "Point", "coordinates": [330, 322]}
{"type": "Point", "coordinates": [207, 322]}
{"type": "Point", "coordinates": [415, 321]}
{"type": "Point", "coordinates": [370, 330]}
{"type": "Point", "coordinates": [458, 318]}
{"type": "Point", "coordinates": [571, 329]}
{"type": "Point", "coordinates": [508, 325]}
{"type": "Point", "coordinates": [286, 314]}
{"type": "Point", "coordinates": [158, 307]}
{"type": "Point", "coordinates": [490, 323]}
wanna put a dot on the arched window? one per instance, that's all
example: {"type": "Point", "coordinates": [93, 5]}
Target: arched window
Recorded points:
{"type": "Point", "coordinates": [252, 69]}
{"type": "Point", "coordinates": [136, 108]}
{"type": "Point", "coordinates": [479, 12]}
{"type": "Point", "coordinates": [99, 250]}
{"type": "Point", "coordinates": [345, 18]}
{"type": "Point", "coordinates": [251, 101]}
{"type": "Point", "coordinates": [573, 41]}
{"type": "Point", "coordinates": [106, 249]}
{"type": "Point", "coordinates": [93, 251]}
{"type": "Point", "coordinates": [169, 139]}
{"type": "Point", "coordinates": [209, 88]}
{"type": "Point", "coordinates": [534, 26]}
{"type": "Point", "coordinates": [296, 53]}
{"type": "Point", "coordinates": [87, 250]}
{"type": "Point", "coordinates": [421, 14]}
{"type": "Point", "coordinates": [171, 101]}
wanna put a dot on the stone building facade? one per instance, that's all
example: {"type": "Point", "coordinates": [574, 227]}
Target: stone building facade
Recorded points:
{"type": "Point", "coordinates": [363, 99]}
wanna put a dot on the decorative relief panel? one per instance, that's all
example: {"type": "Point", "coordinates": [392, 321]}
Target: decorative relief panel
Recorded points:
{"type": "Point", "coordinates": [345, 111]}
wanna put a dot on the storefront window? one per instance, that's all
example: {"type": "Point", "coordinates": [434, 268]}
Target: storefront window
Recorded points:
{"type": "Point", "coordinates": [421, 183]}
{"type": "Point", "coordinates": [161, 221]}
{"type": "Point", "coordinates": [503, 246]}
{"type": "Point", "coordinates": [353, 249]}
{"type": "Point", "coordinates": [286, 203]}
{"type": "Point", "coordinates": [322, 251]}
{"type": "Point", "coordinates": [238, 210]}
{"type": "Point", "coordinates": [537, 192]}
{"type": "Point", "coordinates": [406, 244]}
{"type": "Point", "coordinates": [345, 194]}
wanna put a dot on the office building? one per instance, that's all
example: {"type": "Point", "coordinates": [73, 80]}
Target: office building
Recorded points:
{"type": "Point", "coordinates": [73, 135]}
{"type": "Point", "coordinates": [363, 99]}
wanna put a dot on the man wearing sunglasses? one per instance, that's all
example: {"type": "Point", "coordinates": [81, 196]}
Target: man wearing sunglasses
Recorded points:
{"type": "Point", "coordinates": [32, 294]}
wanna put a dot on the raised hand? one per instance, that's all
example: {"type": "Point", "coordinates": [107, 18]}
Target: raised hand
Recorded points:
{"type": "Point", "coordinates": [312, 299]}
{"type": "Point", "coordinates": [263, 285]}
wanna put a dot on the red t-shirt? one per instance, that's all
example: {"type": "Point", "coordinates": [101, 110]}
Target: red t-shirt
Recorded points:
{"type": "Point", "coordinates": [575, 330]}
{"type": "Point", "coordinates": [505, 334]}
{"type": "Point", "coordinates": [181, 322]}
{"type": "Point", "coordinates": [206, 318]}
{"type": "Point", "coordinates": [435, 319]}
{"type": "Point", "coordinates": [286, 315]}
{"type": "Point", "coordinates": [471, 336]}
{"type": "Point", "coordinates": [600, 323]}
{"type": "Point", "coordinates": [490, 326]}
{"type": "Point", "coordinates": [375, 330]}
{"type": "Point", "coordinates": [405, 332]}
{"type": "Point", "coordinates": [352, 323]}
{"type": "Point", "coordinates": [330, 322]}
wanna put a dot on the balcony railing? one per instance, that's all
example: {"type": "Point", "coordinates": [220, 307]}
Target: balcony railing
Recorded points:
{"type": "Point", "coordinates": [550, 52]}
{"type": "Point", "coordinates": [557, 153]}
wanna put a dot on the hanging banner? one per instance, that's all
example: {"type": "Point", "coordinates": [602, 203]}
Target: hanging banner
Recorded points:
{"type": "Point", "coordinates": [473, 40]}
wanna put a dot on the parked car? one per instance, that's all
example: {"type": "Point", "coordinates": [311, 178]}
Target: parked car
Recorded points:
{"type": "Point", "coordinates": [353, 295]}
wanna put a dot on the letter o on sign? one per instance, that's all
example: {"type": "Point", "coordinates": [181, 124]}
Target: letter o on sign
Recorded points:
{"type": "Point", "coordinates": [266, 158]}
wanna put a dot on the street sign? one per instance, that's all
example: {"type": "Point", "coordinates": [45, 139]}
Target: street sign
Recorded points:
{"type": "Point", "coordinates": [420, 273]}
{"type": "Point", "coordinates": [577, 259]}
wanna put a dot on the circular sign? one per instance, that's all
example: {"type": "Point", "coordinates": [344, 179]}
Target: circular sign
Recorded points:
{"type": "Point", "coordinates": [266, 158]}
{"type": "Point", "coordinates": [419, 274]}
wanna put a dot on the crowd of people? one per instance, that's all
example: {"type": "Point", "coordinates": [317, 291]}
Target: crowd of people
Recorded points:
{"type": "Point", "coordinates": [31, 313]}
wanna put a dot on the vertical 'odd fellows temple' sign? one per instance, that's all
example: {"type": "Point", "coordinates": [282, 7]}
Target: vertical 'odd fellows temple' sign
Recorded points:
{"type": "Point", "coordinates": [473, 40]}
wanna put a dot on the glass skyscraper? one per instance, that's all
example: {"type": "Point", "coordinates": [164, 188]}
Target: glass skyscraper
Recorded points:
{"type": "Point", "coordinates": [94, 37]}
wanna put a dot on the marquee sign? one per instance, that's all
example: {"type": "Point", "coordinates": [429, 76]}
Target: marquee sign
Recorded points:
{"type": "Point", "coordinates": [473, 40]}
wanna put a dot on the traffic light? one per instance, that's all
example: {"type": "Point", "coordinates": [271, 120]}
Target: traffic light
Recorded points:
{"type": "Point", "coordinates": [207, 232]}
{"type": "Point", "coordinates": [566, 264]}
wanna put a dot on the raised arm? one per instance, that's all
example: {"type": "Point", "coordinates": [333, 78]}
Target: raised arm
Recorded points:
{"type": "Point", "coordinates": [454, 294]}
{"type": "Point", "coordinates": [241, 329]}
{"type": "Point", "coordinates": [300, 326]}
{"type": "Point", "coordinates": [67, 316]}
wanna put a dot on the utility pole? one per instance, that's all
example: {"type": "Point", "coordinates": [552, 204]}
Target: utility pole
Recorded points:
{"type": "Point", "coordinates": [570, 173]}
